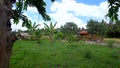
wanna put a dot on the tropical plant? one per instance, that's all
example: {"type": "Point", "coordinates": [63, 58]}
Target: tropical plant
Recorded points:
{"type": "Point", "coordinates": [6, 14]}
{"type": "Point", "coordinates": [38, 35]}
{"type": "Point", "coordinates": [50, 29]}
{"type": "Point", "coordinates": [33, 29]}
{"type": "Point", "coordinates": [59, 36]}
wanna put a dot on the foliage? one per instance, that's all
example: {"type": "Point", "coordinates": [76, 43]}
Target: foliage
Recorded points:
{"type": "Point", "coordinates": [28, 54]}
{"type": "Point", "coordinates": [113, 9]}
{"type": "Point", "coordinates": [96, 27]}
{"type": "Point", "coordinates": [110, 43]}
{"type": "Point", "coordinates": [33, 27]}
{"type": "Point", "coordinates": [114, 29]}
{"type": "Point", "coordinates": [88, 54]}
{"type": "Point", "coordinates": [50, 29]}
{"type": "Point", "coordinates": [22, 5]}
{"type": "Point", "coordinates": [69, 27]}
{"type": "Point", "coordinates": [38, 35]}
{"type": "Point", "coordinates": [115, 55]}
{"type": "Point", "coordinates": [69, 30]}
{"type": "Point", "coordinates": [71, 38]}
{"type": "Point", "coordinates": [59, 36]}
{"type": "Point", "coordinates": [33, 31]}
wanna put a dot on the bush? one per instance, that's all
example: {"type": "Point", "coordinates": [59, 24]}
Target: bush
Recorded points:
{"type": "Point", "coordinates": [88, 54]}
{"type": "Point", "coordinates": [71, 38]}
{"type": "Point", "coordinates": [59, 36]}
{"type": "Point", "coordinates": [115, 55]}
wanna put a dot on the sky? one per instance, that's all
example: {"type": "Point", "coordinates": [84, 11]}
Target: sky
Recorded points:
{"type": "Point", "coordinates": [62, 11]}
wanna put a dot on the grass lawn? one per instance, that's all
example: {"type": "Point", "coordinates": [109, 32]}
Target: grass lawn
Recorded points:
{"type": "Point", "coordinates": [29, 54]}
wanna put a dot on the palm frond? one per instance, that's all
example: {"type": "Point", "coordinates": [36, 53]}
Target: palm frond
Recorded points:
{"type": "Point", "coordinates": [46, 26]}
{"type": "Point", "coordinates": [54, 25]}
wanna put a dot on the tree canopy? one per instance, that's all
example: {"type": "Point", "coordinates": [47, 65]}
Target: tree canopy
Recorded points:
{"type": "Point", "coordinates": [22, 5]}
{"type": "Point", "coordinates": [69, 27]}
{"type": "Point", "coordinates": [96, 27]}
{"type": "Point", "coordinates": [114, 6]}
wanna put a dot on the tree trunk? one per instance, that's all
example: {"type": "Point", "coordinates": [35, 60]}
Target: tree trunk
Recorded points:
{"type": "Point", "coordinates": [2, 36]}
{"type": "Point", "coordinates": [6, 37]}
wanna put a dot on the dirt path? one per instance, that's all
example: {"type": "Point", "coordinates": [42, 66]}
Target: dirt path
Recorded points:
{"type": "Point", "coordinates": [102, 43]}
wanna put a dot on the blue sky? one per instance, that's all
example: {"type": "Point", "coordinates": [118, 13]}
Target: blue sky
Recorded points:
{"type": "Point", "coordinates": [62, 11]}
{"type": "Point", "coordinates": [91, 2]}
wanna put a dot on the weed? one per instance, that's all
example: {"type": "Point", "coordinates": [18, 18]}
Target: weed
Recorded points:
{"type": "Point", "coordinates": [88, 54]}
{"type": "Point", "coordinates": [110, 43]}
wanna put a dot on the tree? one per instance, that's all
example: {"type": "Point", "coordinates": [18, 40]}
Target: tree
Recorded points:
{"type": "Point", "coordinates": [50, 29]}
{"type": "Point", "coordinates": [69, 30]}
{"type": "Point", "coordinates": [96, 27]}
{"type": "Point", "coordinates": [69, 27]}
{"type": "Point", "coordinates": [33, 30]}
{"type": "Point", "coordinates": [114, 29]}
{"type": "Point", "coordinates": [7, 38]}
{"type": "Point", "coordinates": [113, 9]}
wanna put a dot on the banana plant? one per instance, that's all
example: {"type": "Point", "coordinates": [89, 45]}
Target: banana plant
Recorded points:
{"type": "Point", "coordinates": [50, 28]}
{"type": "Point", "coordinates": [32, 29]}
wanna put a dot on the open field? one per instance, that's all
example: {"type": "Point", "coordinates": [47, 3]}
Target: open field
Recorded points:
{"type": "Point", "coordinates": [113, 39]}
{"type": "Point", "coordinates": [29, 54]}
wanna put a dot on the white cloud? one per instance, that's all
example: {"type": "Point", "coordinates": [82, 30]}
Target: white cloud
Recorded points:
{"type": "Point", "coordinates": [18, 26]}
{"type": "Point", "coordinates": [69, 10]}
{"type": "Point", "coordinates": [33, 9]}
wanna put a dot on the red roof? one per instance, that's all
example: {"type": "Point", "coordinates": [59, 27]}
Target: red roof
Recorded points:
{"type": "Point", "coordinates": [83, 32]}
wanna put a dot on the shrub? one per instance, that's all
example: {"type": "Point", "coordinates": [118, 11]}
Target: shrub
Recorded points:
{"type": "Point", "coordinates": [88, 54]}
{"type": "Point", "coordinates": [59, 36]}
{"type": "Point", "coordinates": [115, 55]}
{"type": "Point", "coordinates": [71, 38]}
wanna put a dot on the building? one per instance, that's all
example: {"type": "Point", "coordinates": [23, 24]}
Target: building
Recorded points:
{"type": "Point", "coordinates": [86, 36]}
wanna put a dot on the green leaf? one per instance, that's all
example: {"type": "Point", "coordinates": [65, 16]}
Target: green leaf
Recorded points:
{"type": "Point", "coordinates": [52, 0]}
{"type": "Point", "coordinates": [16, 21]}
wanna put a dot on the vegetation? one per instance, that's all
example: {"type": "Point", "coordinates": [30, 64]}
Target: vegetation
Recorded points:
{"type": "Point", "coordinates": [16, 14]}
{"type": "Point", "coordinates": [59, 36]}
{"type": "Point", "coordinates": [7, 13]}
{"type": "Point", "coordinates": [69, 28]}
{"type": "Point", "coordinates": [114, 6]}
{"type": "Point", "coordinates": [34, 31]}
{"type": "Point", "coordinates": [111, 30]}
{"type": "Point", "coordinates": [28, 54]}
{"type": "Point", "coordinates": [96, 27]}
{"type": "Point", "coordinates": [50, 29]}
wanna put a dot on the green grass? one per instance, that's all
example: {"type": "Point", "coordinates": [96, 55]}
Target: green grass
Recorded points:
{"type": "Point", "coordinates": [29, 54]}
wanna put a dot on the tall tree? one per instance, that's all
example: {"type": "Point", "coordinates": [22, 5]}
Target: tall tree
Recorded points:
{"type": "Point", "coordinates": [69, 27]}
{"type": "Point", "coordinates": [7, 38]}
{"type": "Point", "coordinates": [69, 30]}
{"type": "Point", "coordinates": [114, 29]}
{"type": "Point", "coordinates": [96, 27]}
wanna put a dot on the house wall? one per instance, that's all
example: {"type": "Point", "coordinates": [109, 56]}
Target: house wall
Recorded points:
{"type": "Point", "coordinates": [91, 37]}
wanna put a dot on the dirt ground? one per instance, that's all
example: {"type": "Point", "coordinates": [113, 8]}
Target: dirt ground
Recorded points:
{"type": "Point", "coordinates": [116, 42]}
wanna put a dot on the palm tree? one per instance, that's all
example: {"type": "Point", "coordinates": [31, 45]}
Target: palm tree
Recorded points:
{"type": "Point", "coordinates": [7, 38]}
{"type": "Point", "coordinates": [50, 29]}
